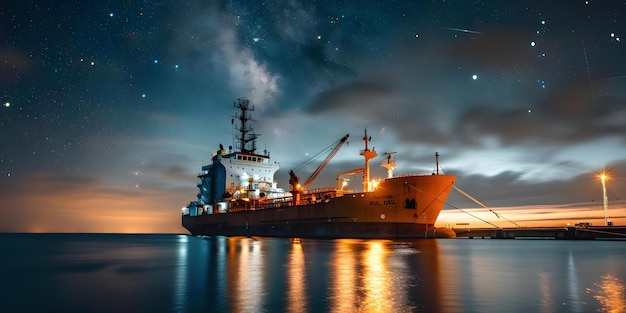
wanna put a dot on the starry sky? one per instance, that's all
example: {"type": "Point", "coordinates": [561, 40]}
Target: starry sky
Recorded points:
{"type": "Point", "coordinates": [110, 108]}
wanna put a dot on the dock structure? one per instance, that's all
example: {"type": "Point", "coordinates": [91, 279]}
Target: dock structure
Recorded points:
{"type": "Point", "coordinates": [561, 233]}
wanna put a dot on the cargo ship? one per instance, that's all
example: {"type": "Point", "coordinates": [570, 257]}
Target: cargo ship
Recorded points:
{"type": "Point", "coordinates": [238, 196]}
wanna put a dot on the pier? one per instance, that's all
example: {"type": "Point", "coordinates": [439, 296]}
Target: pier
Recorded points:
{"type": "Point", "coordinates": [561, 233]}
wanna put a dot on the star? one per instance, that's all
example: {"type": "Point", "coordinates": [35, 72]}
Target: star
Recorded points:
{"type": "Point", "coordinates": [7, 104]}
{"type": "Point", "coordinates": [616, 37]}
{"type": "Point", "coordinates": [474, 77]}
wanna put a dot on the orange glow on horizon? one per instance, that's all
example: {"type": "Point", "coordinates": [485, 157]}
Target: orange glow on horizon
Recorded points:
{"type": "Point", "coordinates": [90, 208]}
{"type": "Point", "coordinates": [535, 215]}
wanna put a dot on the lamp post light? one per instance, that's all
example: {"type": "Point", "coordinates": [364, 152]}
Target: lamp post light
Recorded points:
{"type": "Point", "coordinates": [603, 178]}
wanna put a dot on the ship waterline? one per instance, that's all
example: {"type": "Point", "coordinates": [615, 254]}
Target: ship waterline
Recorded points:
{"type": "Point", "coordinates": [237, 202]}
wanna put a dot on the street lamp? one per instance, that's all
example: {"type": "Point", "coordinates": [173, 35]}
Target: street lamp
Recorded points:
{"type": "Point", "coordinates": [603, 178]}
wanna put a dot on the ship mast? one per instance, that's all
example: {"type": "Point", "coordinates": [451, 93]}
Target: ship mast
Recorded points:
{"type": "Point", "coordinates": [389, 163]}
{"type": "Point", "coordinates": [368, 155]}
{"type": "Point", "coordinates": [246, 137]}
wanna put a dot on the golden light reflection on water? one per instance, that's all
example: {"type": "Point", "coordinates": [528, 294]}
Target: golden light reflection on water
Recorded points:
{"type": "Point", "coordinates": [376, 280]}
{"type": "Point", "coordinates": [343, 297]}
{"type": "Point", "coordinates": [249, 280]}
{"type": "Point", "coordinates": [297, 277]}
{"type": "Point", "coordinates": [362, 280]}
{"type": "Point", "coordinates": [611, 294]}
{"type": "Point", "coordinates": [386, 276]}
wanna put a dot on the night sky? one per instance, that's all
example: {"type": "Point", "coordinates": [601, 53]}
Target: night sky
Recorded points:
{"type": "Point", "coordinates": [110, 108]}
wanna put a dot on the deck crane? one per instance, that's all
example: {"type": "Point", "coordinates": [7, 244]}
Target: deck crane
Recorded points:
{"type": "Point", "coordinates": [294, 181]}
{"type": "Point", "coordinates": [340, 180]}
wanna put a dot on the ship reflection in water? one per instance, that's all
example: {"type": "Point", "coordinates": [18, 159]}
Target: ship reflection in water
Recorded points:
{"type": "Point", "coordinates": [296, 273]}
{"type": "Point", "coordinates": [271, 275]}
{"type": "Point", "coordinates": [248, 276]}
{"type": "Point", "coordinates": [176, 273]}
{"type": "Point", "coordinates": [368, 277]}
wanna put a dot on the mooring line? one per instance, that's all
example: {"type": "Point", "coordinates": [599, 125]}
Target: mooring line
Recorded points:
{"type": "Point", "coordinates": [472, 215]}
{"type": "Point", "coordinates": [484, 206]}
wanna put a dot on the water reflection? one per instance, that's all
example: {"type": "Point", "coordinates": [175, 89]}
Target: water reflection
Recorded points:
{"type": "Point", "coordinates": [384, 276]}
{"type": "Point", "coordinates": [544, 292]}
{"type": "Point", "coordinates": [269, 275]}
{"type": "Point", "coordinates": [297, 278]}
{"type": "Point", "coordinates": [249, 280]}
{"type": "Point", "coordinates": [180, 289]}
{"type": "Point", "coordinates": [572, 283]}
{"type": "Point", "coordinates": [343, 298]}
{"type": "Point", "coordinates": [376, 278]}
{"type": "Point", "coordinates": [611, 294]}
{"type": "Point", "coordinates": [220, 271]}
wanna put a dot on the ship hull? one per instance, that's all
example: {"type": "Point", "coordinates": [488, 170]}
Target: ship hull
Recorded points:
{"type": "Point", "coordinates": [402, 207]}
{"type": "Point", "coordinates": [325, 230]}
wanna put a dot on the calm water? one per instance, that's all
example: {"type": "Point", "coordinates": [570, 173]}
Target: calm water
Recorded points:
{"type": "Point", "coordinates": [175, 273]}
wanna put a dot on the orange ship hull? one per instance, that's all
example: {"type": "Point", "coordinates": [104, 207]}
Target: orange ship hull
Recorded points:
{"type": "Point", "coordinates": [400, 207]}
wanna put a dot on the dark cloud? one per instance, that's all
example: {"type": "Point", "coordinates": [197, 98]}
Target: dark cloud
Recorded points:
{"type": "Point", "coordinates": [492, 48]}
{"type": "Point", "coordinates": [568, 116]}
{"type": "Point", "coordinates": [510, 187]}
{"type": "Point", "coordinates": [359, 98]}
{"type": "Point", "coordinates": [47, 182]}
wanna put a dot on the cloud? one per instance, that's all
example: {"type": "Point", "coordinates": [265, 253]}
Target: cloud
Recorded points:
{"type": "Point", "coordinates": [502, 48]}
{"type": "Point", "coordinates": [513, 189]}
{"type": "Point", "coordinates": [566, 117]}
{"type": "Point", "coordinates": [360, 98]}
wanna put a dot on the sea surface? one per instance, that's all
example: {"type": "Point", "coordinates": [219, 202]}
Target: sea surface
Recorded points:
{"type": "Point", "coordinates": [180, 273]}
